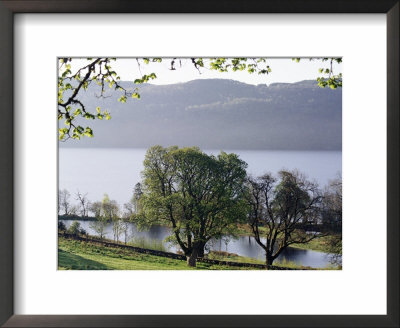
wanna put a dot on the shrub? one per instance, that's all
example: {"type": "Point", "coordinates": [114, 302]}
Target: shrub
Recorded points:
{"type": "Point", "coordinates": [61, 226]}
{"type": "Point", "coordinates": [74, 228]}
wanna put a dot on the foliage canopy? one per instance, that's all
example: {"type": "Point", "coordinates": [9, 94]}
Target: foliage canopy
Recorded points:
{"type": "Point", "coordinates": [199, 196]}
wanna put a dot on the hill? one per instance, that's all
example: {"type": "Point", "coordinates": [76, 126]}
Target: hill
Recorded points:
{"type": "Point", "coordinates": [219, 114]}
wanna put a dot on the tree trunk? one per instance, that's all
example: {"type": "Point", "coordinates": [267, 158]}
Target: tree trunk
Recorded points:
{"type": "Point", "coordinates": [192, 259]}
{"type": "Point", "coordinates": [201, 250]}
{"type": "Point", "coordinates": [269, 260]}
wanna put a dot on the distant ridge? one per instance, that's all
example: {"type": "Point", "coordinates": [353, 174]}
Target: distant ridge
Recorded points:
{"type": "Point", "coordinates": [219, 114]}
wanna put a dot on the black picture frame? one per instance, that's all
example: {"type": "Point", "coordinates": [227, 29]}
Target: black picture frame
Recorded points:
{"type": "Point", "coordinates": [10, 7]}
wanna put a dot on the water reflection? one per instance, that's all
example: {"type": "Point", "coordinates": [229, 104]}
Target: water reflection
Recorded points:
{"type": "Point", "coordinates": [244, 246]}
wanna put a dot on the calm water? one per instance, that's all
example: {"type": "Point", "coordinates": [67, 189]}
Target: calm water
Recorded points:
{"type": "Point", "coordinates": [116, 171]}
{"type": "Point", "coordinates": [244, 246]}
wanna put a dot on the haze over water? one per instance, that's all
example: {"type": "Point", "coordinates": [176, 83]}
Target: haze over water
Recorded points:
{"type": "Point", "coordinates": [115, 171]}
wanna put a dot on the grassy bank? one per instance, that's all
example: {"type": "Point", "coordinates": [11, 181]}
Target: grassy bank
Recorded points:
{"type": "Point", "coordinates": [224, 256]}
{"type": "Point", "coordinates": [319, 244]}
{"type": "Point", "coordinates": [78, 255]}
{"type": "Point", "coordinates": [83, 255]}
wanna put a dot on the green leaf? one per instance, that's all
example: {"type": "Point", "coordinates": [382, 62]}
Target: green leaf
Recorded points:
{"type": "Point", "coordinates": [89, 116]}
{"type": "Point", "coordinates": [88, 132]}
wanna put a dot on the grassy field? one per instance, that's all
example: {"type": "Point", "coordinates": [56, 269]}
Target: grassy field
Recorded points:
{"type": "Point", "coordinates": [318, 244]}
{"type": "Point", "coordinates": [77, 255]}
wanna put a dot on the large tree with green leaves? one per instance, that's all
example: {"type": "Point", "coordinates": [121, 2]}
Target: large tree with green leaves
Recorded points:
{"type": "Point", "coordinates": [72, 111]}
{"type": "Point", "coordinates": [279, 211]}
{"type": "Point", "coordinates": [199, 196]}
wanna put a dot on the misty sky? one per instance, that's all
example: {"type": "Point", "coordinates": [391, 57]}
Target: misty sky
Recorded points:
{"type": "Point", "coordinates": [283, 70]}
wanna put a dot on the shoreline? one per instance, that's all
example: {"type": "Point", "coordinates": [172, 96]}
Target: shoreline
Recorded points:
{"type": "Point", "coordinates": [316, 245]}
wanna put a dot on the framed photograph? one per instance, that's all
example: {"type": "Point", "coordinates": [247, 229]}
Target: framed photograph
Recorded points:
{"type": "Point", "coordinates": [191, 172]}
{"type": "Point", "coordinates": [181, 170]}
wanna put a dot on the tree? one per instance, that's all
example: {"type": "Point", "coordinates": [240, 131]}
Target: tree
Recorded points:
{"type": "Point", "coordinates": [332, 205]}
{"type": "Point", "coordinates": [133, 207]}
{"type": "Point", "coordinates": [84, 204]}
{"type": "Point", "coordinates": [99, 225]}
{"type": "Point", "coordinates": [128, 209]}
{"type": "Point", "coordinates": [118, 227]}
{"type": "Point", "coordinates": [330, 79]}
{"type": "Point", "coordinates": [105, 211]}
{"type": "Point", "coordinates": [73, 210]}
{"type": "Point", "coordinates": [279, 212]}
{"type": "Point", "coordinates": [95, 208]}
{"type": "Point", "coordinates": [109, 208]}
{"type": "Point", "coordinates": [63, 199]}
{"type": "Point", "coordinates": [332, 218]}
{"type": "Point", "coordinates": [125, 225]}
{"type": "Point", "coordinates": [99, 71]}
{"type": "Point", "coordinates": [74, 228]}
{"type": "Point", "coordinates": [199, 196]}
{"type": "Point", "coordinates": [126, 220]}
{"type": "Point", "coordinates": [137, 194]}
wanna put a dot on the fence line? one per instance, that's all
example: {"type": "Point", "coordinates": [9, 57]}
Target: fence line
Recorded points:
{"type": "Point", "coordinates": [167, 254]}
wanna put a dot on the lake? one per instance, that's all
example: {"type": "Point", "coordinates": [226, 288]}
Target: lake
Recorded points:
{"type": "Point", "coordinates": [115, 171]}
{"type": "Point", "coordinates": [96, 171]}
{"type": "Point", "coordinates": [244, 246]}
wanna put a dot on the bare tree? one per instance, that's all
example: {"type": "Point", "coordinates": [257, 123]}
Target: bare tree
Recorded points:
{"type": "Point", "coordinates": [332, 205]}
{"type": "Point", "coordinates": [125, 229]}
{"type": "Point", "coordinates": [332, 218]}
{"type": "Point", "coordinates": [279, 212]}
{"type": "Point", "coordinates": [83, 203]}
{"type": "Point", "coordinates": [118, 228]}
{"type": "Point", "coordinates": [64, 204]}
{"type": "Point", "coordinates": [128, 209]}
{"type": "Point", "coordinates": [125, 225]}
{"type": "Point", "coordinates": [74, 209]}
